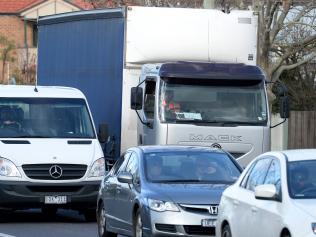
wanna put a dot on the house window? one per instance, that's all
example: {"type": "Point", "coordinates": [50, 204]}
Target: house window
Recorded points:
{"type": "Point", "coordinates": [35, 35]}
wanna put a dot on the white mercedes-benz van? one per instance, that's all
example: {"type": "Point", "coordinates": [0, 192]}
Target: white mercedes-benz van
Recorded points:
{"type": "Point", "coordinates": [50, 155]}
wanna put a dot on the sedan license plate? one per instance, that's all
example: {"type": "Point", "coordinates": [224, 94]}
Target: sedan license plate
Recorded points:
{"type": "Point", "coordinates": [55, 199]}
{"type": "Point", "coordinates": [208, 222]}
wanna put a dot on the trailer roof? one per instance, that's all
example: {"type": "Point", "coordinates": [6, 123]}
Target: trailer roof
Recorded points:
{"type": "Point", "coordinates": [82, 15]}
{"type": "Point", "coordinates": [201, 70]}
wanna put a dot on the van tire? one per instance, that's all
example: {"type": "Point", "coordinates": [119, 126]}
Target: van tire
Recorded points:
{"type": "Point", "coordinates": [90, 215]}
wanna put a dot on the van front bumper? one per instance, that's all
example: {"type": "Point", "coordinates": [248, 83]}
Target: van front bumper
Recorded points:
{"type": "Point", "coordinates": [23, 195]}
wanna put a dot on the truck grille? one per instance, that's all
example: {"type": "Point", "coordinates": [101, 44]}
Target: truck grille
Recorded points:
{"type": "Point", "coordinates": [47, 171]}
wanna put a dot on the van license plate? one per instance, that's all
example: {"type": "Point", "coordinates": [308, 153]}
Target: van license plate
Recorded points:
{"type": "Point", "coordinates": [208, 223]}
{"type": "Point", "coordinates": [55, 199]}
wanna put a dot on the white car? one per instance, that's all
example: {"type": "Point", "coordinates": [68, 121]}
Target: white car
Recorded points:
{"type": "Point", "coordinates": [274, 197]}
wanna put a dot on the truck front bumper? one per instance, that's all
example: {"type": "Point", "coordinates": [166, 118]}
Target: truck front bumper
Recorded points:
{"type": "Point", "coordinates": [24, 195]}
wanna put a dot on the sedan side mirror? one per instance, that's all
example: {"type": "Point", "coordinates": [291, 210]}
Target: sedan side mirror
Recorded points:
{"type": "Point", "coordinates": [125, 177]}
{"type": "Point", "coordinates": [266, 192]}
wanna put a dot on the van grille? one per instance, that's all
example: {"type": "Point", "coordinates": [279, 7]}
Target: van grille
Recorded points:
{"type": "Point", "coordinates": [42, 171]}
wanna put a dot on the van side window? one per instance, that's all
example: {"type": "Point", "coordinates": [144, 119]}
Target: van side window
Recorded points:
{"type": "Point", "coordinates": [149, 99]}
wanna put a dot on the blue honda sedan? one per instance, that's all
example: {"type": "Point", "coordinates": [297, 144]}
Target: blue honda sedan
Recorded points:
{"type": "Point", "coordinates": [165, 191]}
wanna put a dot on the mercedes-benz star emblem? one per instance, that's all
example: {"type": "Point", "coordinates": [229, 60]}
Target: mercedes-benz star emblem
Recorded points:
{"type": "Point", "coordinates": [55, 171]}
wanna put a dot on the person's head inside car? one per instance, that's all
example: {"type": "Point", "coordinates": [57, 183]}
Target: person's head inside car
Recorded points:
{"type": "Point", "coordinates": [154, 167]}
{"type": "Point", "coordinates": [206, 168]}
{"type": "Point", "coordinates": [300, 179]}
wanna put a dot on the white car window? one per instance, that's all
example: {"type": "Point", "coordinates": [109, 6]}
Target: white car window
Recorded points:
{"type": "Point", "coordinates": [274, 176]}
{"type": "Point", "coordinates": [258, 174]}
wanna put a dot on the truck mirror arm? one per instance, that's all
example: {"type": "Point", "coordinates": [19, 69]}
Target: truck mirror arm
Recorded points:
{"type": "Point", "coordinates": [279, 123]}
{"type": "Point", "coordinates": [148, 124]}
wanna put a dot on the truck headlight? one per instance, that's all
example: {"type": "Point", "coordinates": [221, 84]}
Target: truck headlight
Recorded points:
{"type": "Point", "coordinates": [8, 169]}
{"type": "Point", "coordinates": [161, 206]}
{"type": "Point", "coordinates": [98, 168]}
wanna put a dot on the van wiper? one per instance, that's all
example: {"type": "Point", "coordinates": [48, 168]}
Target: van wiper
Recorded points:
{"type": "Point", "coordinates": [29, 136]}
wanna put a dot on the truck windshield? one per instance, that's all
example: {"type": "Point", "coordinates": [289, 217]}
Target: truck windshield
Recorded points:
{"type": "Point", "coordinates": [45, 118]}
{"type": "Point", "coordinates": [214, 102]}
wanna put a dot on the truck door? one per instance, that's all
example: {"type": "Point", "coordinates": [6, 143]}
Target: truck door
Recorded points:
{"type": "Point", "coordinates": [147, 137]}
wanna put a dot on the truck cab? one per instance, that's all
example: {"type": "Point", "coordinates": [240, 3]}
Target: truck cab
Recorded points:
{"type": "Point", "coordinates": [50, 155]}
{"type": "Point", "coordinates": [192, 103]}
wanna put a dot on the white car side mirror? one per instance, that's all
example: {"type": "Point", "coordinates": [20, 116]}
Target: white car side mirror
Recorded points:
{"type": "Point", "coordinates": [266, 192]}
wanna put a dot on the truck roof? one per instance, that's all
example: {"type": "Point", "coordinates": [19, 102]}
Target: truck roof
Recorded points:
{"type": "Point", "coordinates": [42, 91]}
{"type": "Point", "coordinates": [204, 70]}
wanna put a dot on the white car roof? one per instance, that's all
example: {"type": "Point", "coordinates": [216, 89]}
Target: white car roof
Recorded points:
{"type": "Point", "coordinates": [42, 92]}
{"type": "Point", "coordinates": [300, 154]}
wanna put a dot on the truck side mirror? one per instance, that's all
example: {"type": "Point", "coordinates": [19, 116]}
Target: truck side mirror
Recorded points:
{"type": "Point", "coordinates": [284, 107]}
{"type": "Point", "coordinates": [103, 132]}
{"type": "Point", "coordinates": [136, 98]}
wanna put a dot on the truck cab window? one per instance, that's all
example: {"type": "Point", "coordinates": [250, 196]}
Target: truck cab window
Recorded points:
{"type": "Point", "coordinates": [149, 99]}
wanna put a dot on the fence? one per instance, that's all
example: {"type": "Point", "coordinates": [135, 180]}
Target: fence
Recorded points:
{"type": "Point", "coordinates": [302, 129]}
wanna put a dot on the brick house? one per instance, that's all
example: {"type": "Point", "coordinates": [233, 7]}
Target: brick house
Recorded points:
{"type": "Point", "coordinates": [18, 23]}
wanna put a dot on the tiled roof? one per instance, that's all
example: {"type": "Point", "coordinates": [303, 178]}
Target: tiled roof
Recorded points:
{"type": "Point", "coordinates": [16, 6]}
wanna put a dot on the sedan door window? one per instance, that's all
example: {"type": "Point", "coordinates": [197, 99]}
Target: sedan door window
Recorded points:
{"type": "Point", "coordinates": [124, 163]}
{"type": "Point", "coordinates": [258, 174]}
{"type": "Point", "coordinates": [132, 167]}
{"type": "Point", "coordinates": [274, 176]}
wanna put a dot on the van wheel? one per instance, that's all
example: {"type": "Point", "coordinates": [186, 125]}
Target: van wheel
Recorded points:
{"type": "Point", "coordinates": [138, 225]}
{"type": "Point", "coordinates": [49, 211]}
{"type": "Point", "coordinates": [102, 224]}
{"type": "Point", "coordinates": [226, 232]}
{"type": "Point", "coordinates": [90, 215]}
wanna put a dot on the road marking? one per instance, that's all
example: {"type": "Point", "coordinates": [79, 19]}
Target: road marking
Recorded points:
{"type": "Point", "coordinates": [5, 235]}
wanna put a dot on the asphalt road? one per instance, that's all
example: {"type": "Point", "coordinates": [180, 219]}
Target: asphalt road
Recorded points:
{"type": "Point", "coordinates": [33, 223]}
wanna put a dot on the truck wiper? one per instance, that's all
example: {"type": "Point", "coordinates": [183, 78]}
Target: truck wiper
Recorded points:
{"type": "Point", "coordinates": [217, 122]}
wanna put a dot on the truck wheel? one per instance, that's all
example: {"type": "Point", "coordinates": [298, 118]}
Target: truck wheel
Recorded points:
{"type": "Point", "coordinates": [90, 215]}
{"type": "Point", "coordinates": [49, 211]}
{"type": "Point", "coordinates": [102, 224]}
{"type": "Point", "coordinates": [138, 225]}
{"type": "Point", "coordinates": [226, 232]}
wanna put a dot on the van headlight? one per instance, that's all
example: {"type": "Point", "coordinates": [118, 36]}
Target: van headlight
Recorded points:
{"type": "Point", "coordinates": [161, 206]}
{"type": "Point", "coordinates": [98, 168]}
{"type": "Point", "coordinates": [8, 169]}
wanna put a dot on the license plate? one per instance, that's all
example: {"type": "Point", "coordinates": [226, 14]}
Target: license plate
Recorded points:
{"type": "Point", "coordinates": [208, 222]}
{"type": "Point", "coordinates": [55, 199]}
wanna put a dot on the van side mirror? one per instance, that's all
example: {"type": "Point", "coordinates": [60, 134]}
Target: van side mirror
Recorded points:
{"type": "Point", "coordinates": [136, 98]}
{"type": "Point", "coordinates": [284, 107]}
{"type": "Point", "coordinates": [103, 132]}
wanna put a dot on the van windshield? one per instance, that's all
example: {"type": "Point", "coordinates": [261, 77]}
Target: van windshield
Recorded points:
{"type": "Point", "coordinates": [45, 118]}
{"type": "Point", "coordinates": [214, 102]}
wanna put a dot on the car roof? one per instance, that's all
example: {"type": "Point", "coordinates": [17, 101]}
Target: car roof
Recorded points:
{"type": "Point", "coordinates": [293, 155]}
{"type": "Point", "coordinates": [18, 91]}
{"type": "Point", "coordinates": [170, 148]}
{"type": "Point", "coordinates": [300, 154]}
